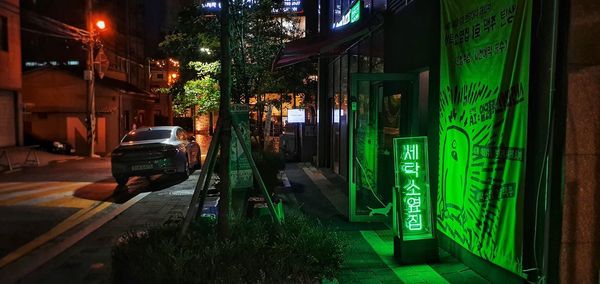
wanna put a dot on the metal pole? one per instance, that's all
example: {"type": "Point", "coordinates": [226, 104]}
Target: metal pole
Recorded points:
{"type": "Point", "coordinates": [89, 76]}
{"type": "Point", "coordinates": [200, 190]}
{"type": "Point", "coordinates": [256, 173]}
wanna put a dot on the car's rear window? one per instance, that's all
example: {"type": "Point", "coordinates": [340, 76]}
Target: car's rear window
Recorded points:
{"type": "Point", "coordinates": [147, 135]}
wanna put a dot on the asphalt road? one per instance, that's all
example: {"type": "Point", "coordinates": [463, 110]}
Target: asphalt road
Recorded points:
{"type": "Point", "coordinates": [46, 210]}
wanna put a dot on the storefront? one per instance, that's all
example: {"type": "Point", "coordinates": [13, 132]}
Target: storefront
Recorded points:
{"type": "Point", "coordinates": [374, 87]}
{"type": "Point", "coordinates": [371, 93]}
{"type": "Point", "coordinates": [455, 73]}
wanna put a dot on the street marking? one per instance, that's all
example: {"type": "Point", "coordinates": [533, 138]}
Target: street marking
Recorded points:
{"type": "Point", "coordinates": [34, 189]}
{"type": "Point", "coordinates": [41, 193]}
{"type": "Point", "coordinates": [65, 225]}
{"type": "Point", "coordinates": [409, 273]}
{"type": "Point", "coordinates": [21, 271]}
{"type": "Point", "coordinates": [70, 201]}
{"type": "Point", "coordinates": [35, 202]}
{"type": "Point", "coordinates": [7, 184]}
{"type": "Point", "coordinates": [15, 186]}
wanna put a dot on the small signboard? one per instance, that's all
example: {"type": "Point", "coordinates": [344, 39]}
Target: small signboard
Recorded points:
{"type": "Point", "coordinates": [240, 171]}
{"type": "Point", "coordinates": [296, 115]}
{"type": "Point", "coordinates": [412, 221]}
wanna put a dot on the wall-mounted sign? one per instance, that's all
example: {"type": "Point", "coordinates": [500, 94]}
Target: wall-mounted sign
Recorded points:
{"type": "Point", "coordinates": [412, 219]}
{"type": "Point", "coordinates": [355, 12]}
{"type": "Point", "coordinates": [351, 16]}
{"type": "Point", "coordinates": [296, 115]}
{"type": "Point", "coordinates": [337, 114]}
{"type": "Point", "coordinates": [288, 6]}
{"type": "Point", "coordinates": [211, 5]}
{"type": "Point", "coordinates": [292, 6]}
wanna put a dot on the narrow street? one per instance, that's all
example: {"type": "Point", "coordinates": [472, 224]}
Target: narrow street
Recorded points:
{"type": "Point", "coordinates": [433, 141]}
{"type": "Point", "coordinates": [46, 210]}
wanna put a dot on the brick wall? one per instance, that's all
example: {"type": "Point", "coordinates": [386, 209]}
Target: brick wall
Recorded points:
{"type": "Point", "coordinates": [580, 248]}
{"type": "Point", "coordinates": [10, 62]}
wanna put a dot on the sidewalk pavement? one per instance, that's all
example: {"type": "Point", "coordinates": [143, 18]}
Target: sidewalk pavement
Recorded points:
{"type": "Point", "coordinates": [370, 259]}
{"type": "Point", "coordinates": [89, 260]}
{"type": "Point", "coordinates": [18, 156]}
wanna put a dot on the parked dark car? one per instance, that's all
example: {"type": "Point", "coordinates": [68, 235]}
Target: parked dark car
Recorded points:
{"type": "Point", "coordinates": [155, 150]}
{"type": "Point", "coordinates": [48, 145]}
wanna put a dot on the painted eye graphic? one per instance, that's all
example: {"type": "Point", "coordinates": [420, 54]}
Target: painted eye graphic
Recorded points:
{"type": "Point", "coordinates": [453, 143]}
{"type": "Point", "coordinates": [454, 155]}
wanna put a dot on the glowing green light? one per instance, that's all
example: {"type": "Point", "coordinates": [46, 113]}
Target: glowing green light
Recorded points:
{"type": "Point", "coordinates": [355, 12]}
{"type": "Point", "coordinates": [412, 198]}
{"type": "Point", "coordinates": [483, 118]}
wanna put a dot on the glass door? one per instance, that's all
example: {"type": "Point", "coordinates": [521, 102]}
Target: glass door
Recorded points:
{"type": "Point", "coordinates": [384, 106]}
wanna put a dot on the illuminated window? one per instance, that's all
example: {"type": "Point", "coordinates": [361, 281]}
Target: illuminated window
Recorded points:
{"type": "Point", "coordinates": [3, 33]}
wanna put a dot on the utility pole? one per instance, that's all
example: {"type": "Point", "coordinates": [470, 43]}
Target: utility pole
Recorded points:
{"type": "Point", "coordinates": [89, 77]}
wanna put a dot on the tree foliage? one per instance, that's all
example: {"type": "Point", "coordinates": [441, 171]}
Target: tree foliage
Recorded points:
{"type": "Point", "coordinates": [202, 91]}
{"type": "Point", "coordinates": [258, 33]}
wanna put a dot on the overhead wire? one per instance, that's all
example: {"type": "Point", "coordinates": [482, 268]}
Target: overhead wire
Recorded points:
{"type": "Point", "coordinates": [54, 26]}
{"type": "Point", "coordinates": [45, 33]}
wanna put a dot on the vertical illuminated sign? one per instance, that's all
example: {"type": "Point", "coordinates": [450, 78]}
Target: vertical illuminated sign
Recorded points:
{"type": "Point", "coordinates": [412, 201]}
{"type": "Point", "coordinates": [355, 12]}
{"type": "Point", "coordinates": [351, 16]}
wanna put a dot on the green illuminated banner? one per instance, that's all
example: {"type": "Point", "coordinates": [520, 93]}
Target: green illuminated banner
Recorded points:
{"type": "Point", "coordinates": [412, 199]}
{"type": "Point", "coordinates": [484, 87]}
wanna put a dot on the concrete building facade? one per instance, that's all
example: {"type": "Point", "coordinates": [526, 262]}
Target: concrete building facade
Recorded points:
{"type": "Point", "coordinates": [580, 241]}
{"type": "Point", "coordinates": [10, 73]}
{"type": "Point", "coordinates": [55, 108]}
{"type": "Point", "coordinates": [365, 61]}
{"type": "Point", "coordinates": [55, 96]}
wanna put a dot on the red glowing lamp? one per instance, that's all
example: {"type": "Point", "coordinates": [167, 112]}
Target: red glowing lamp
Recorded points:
{"type": "Point", "coordinates": [101, 25]}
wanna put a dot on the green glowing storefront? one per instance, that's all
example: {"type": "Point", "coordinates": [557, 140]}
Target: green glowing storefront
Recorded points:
{"type": "Point", "coordinates": [481, 115]}
{"type": "Point", "coordinates": [425, 115]}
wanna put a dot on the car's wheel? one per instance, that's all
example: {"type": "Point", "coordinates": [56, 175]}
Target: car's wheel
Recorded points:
{"type": "Point", "coordinates": [121, 180]}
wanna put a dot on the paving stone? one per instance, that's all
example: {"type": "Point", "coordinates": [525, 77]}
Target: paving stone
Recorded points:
{"type": "Point", "coordinates": [362, 264]}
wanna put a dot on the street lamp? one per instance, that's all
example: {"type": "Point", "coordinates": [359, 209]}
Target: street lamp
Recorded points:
{"type": "Point", "coordinates": [101, 25]}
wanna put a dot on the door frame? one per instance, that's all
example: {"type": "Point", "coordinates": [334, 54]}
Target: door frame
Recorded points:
{"type": "Point", "coordinates": [354, 79]}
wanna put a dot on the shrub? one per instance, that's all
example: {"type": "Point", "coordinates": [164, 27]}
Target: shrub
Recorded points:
{"type": "Point", "coordinates": [299, 251]}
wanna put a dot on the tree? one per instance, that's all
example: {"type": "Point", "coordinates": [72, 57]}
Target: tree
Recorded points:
{"type": "Point", "coordinates": [202, 92]}
{"type": "Point", "coordinates": [258, 36]}
{"type": "Point", "coordinates": [258, 32]}
{"type": "Point", "coordinates": [194, 39]}
{"type": "Point", "coordinates": [225, 117]}
{"type": "Point", "coordinates": [251, 34]}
